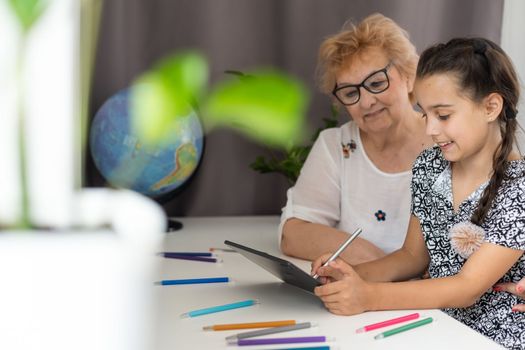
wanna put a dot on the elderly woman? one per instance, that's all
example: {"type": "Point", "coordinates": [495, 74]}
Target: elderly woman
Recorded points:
{"type": "Point", "coordinates": [358, 175]}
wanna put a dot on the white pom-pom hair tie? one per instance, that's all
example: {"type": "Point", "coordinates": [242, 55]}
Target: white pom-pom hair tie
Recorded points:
{"type": "Point", "coordinates": [466, 238]}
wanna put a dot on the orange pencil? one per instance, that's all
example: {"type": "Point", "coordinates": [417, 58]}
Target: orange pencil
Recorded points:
{"type": "Point", "coordinates": [227, 327]}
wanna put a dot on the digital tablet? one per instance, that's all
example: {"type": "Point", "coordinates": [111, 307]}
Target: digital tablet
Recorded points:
{"type": "Point", "coordinates": [280, 268]}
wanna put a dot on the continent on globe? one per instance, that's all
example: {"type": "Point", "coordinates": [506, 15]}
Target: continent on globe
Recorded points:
{"type": "Point", "coordinates": [186, 162]}
{"type": "Point", "coordinates": [125, 162]}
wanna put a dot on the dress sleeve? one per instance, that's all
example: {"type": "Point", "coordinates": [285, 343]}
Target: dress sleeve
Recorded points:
{"type": "Point", "coordinates": [316, 196]}
{"type": "Point", "coordinates": [419, 184]}
{"type": "Point", "coordinates": [505, 221]}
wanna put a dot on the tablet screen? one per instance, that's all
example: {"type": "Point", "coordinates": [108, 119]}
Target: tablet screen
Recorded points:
{"type": "Point", "coordinates": [280, 268]}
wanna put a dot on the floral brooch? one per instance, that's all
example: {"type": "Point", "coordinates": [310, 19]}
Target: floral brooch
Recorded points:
{"type": "Point", "coordinates": [349, 147]}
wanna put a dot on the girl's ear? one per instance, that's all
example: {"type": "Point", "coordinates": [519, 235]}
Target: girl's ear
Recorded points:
{"type": "Point", "coordinates": [493, 106]}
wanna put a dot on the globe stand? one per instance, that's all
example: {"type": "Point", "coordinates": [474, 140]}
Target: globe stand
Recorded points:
{"type": "Point", "coordinates": [171, 224]}
{"type": "Point", "coordinates": [174, 225]}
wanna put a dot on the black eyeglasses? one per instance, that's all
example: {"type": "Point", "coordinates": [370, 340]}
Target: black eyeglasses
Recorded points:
{"type": "Point", "coordinates": [375, 83]}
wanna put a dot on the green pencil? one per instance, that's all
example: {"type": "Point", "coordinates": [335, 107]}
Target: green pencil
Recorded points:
{"type": "Point", "coordinates": [404, 328]}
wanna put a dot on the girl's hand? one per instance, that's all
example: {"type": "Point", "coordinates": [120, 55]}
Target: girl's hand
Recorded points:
{"type": "Point", "coordinates": [317, 263]}
{"type": "Point", "coordinates": [347, 292]}
{"type": "Point", "coordinates": [514, 288]}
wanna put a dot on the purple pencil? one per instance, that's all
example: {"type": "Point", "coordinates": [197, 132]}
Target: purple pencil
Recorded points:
{"type": "Point", "coordinates": [193, 258]}
{"type": "Point", "coordinates": [186, 253]}
{"type": "Point", "coordinates": [291, 340]}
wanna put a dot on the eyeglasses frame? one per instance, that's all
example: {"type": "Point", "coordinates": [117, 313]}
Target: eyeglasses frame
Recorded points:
{"type": "Point", "coordinates": [362, 84]}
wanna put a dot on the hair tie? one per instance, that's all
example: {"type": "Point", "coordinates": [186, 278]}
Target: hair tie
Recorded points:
{"type": "Point", "coordinates": [479, 47]}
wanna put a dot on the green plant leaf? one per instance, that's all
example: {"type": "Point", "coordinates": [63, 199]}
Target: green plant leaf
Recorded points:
{"type": "Point", "coordinates": [27, 11]}
{"type": "Point", "coordinates": [290, 161]}
{"type": "Point", "coordinates": [268, 107]}
{"type": "Point", "coordinates": [166, 93]}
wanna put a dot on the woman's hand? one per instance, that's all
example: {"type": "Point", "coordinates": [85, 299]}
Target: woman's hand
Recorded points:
{"type": "Point", "coordinates": [514, 288]}
{"type": "Point", "coordinates": [344, 292]}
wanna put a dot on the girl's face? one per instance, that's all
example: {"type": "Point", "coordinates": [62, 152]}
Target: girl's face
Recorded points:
{"type": "Point", "coordinates": [457, 124]}
{"type": "Point", "coordinates": [376, 112]}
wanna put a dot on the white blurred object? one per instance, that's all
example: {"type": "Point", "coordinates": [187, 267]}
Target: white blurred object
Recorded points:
{"type": "Point", "coordinates": [50, 75]}
{"type": "Point", "coordinates": [10, 179]}
{"type": "Point", "coordinates": [84, 290]}
{"type": "Point", "coordinates": [88, 282]}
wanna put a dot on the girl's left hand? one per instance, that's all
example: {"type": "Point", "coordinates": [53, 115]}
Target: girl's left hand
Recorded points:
{"type": "Point", "coordinates": [347, 294]}
{"type": "Point", "coordinates": [517, 289]}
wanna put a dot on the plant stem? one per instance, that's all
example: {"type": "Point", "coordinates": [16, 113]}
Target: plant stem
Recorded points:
{"type": "Point", "coordinates": [25, 220]}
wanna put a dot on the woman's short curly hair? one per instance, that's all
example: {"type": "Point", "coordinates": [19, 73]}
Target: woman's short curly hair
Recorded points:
{"type": "Point", "coordinates": [375, 31]}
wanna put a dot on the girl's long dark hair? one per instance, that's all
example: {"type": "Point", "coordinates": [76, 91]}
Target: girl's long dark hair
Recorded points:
{"type": "Point", "coordinates": [481, 67]}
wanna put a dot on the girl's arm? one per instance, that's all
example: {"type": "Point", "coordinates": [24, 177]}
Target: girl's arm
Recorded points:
{"type": "Point", "coordinates": [480, 272]}
{"type": "Point", "coordinates": [351, 294]}
{"type": "Point", "coordinates": [408, 262]}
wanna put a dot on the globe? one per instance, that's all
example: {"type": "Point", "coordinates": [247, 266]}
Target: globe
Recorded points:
{"type": "Point", "coordinates": [124, 162]}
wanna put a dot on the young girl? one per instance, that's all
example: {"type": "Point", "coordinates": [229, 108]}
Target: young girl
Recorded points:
{"type": "Point", "coordinates": [468, 203]}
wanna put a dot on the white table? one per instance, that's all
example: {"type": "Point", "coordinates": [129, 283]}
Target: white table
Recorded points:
{"type": "Point", "coordinates": [278, 301]}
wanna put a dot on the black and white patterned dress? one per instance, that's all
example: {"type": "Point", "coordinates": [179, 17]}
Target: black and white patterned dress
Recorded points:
{"type": "Point", "coordinates": [504, 225]}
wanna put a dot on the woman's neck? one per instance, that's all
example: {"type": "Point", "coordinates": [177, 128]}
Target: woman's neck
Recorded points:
{"type": "Point", "coordinates": [395, 149]}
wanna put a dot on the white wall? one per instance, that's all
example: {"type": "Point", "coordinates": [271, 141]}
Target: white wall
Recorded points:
{"type": "Point", "coordinates": [513, 42]}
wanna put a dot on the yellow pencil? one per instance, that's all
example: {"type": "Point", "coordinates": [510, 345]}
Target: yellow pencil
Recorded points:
{"type": "Point", "coordinates": [226, 327]}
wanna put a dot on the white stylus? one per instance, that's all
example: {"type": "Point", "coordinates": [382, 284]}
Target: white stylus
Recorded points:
{"type": "Point", "coordinates": [341, 248]}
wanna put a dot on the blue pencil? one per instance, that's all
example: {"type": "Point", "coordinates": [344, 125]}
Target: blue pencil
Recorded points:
{"type": "Point", "coordinates": [193, 281]}
{"type": "Point", "coordinates": [219, 308]}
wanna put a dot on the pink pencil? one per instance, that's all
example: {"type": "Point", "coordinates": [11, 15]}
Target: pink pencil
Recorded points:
{"type": "Point", "coordinates": [386, 323]}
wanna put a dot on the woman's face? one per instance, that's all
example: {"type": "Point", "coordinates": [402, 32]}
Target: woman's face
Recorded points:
{"type": "Point", "coordinates": [457, 124]}
{"type": "Point", "coordinates": [376, 112]}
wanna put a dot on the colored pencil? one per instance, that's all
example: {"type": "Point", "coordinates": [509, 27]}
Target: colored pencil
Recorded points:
{"type": "Point", "coordinates": [194, 281]}
{"type": "Point", "coordinates": [404, 328]}
{"type": "Point", "coordinates": [192, 258]}
{"type": "Point", "coordinates": [386, 323]}
{"type": "Point", "coordinates": [232, 326]}
{"type": "Point", "coordinates": [223, 250]}
{"type": "Point", "coordinates": [167, 254]}
{"type": "Point", "coordinates": [324, 347]}
{"type": "Point", "coordinates": [272, 330]}
{"type": "Point", "coordinates": [291, 340]}
{"type": "Point", "coordinates": [219, 308]}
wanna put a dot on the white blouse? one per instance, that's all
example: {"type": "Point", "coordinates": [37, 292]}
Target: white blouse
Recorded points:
{"type": "Point", "coordinates": [347, 192]}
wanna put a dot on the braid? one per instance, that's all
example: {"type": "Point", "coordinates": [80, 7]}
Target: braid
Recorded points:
{"type": "Point", "coordinates": [500, 165]}
{"type": "Point", "coordinates": [500, 76]}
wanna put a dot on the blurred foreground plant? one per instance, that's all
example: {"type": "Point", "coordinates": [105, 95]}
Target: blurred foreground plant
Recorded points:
{"type": "Point", "coordinates": [268, 107]}
{"type": "Point", "coordinates": [43, 104]}
{"type": "Point", "coordinates": [290, 161]}
{"type": "Point", "coordinates": [27, 13]}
